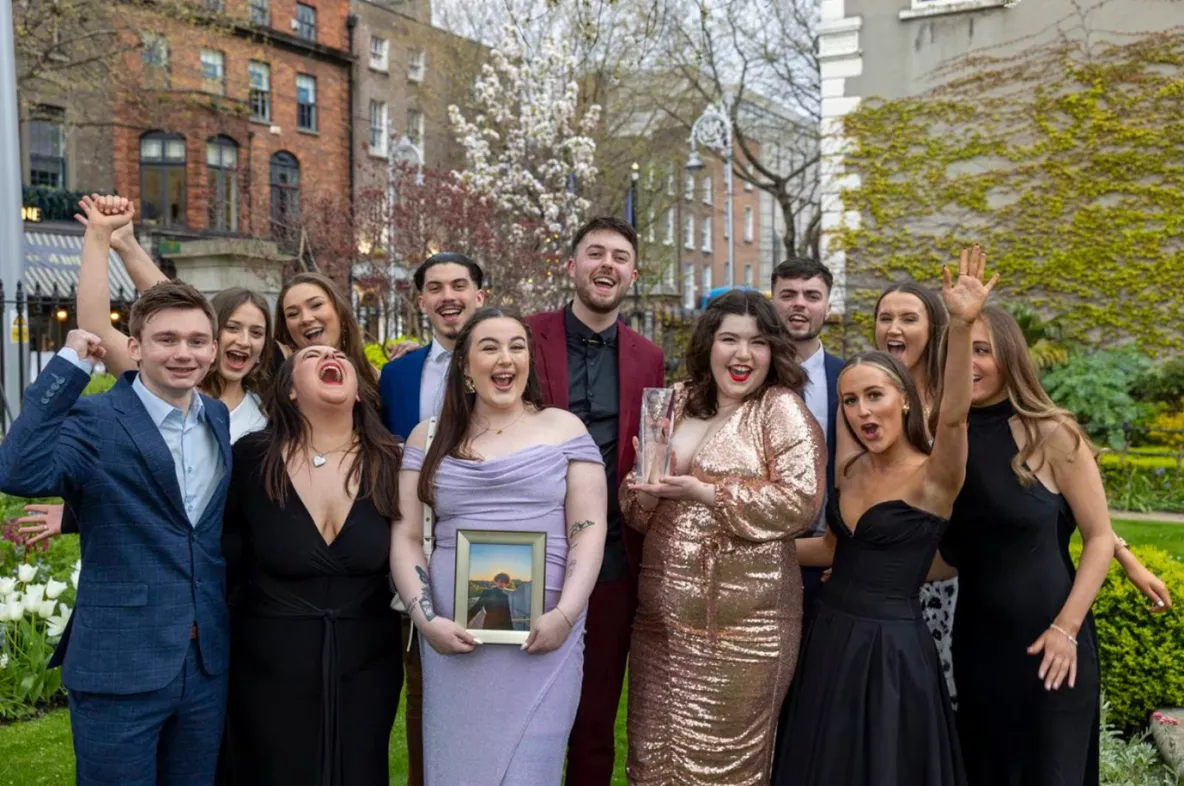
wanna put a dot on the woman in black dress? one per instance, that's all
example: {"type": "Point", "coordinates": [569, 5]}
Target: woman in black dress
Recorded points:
{"type": "Point", "coordinates": [315, 660]}
{"type": "Point", "coordinates": [869, 705]}
{"type": "Point", "coordinates": [1025, 650]}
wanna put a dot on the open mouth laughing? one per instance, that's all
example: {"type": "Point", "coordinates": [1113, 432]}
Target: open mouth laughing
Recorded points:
{"type": "Point", "coordinates": [740, 373]}
{"type": "Point", "coordinates": [331, 373]}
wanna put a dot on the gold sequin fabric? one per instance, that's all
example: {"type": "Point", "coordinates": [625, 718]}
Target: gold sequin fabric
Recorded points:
{"type": "Point", "coordinates": [719, 617]}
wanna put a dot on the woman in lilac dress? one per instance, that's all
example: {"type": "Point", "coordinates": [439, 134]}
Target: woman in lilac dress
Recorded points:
{"type": "Point", "coordinates": [495, 713]}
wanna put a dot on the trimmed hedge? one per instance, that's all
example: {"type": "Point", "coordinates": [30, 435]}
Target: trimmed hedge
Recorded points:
{"type": "Point", "coordinates": [1140, 652]}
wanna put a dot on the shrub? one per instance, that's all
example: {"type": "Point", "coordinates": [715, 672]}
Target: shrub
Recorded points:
{"type": "Point", "coordinates": [1141, 487]}
{"type": "Point", "coordinates": [1162, 427]}
{"type": "Point", "coordinates": [99, 383]}
{"type": "Point", "coordinates": [376, 353]}
{"type": "Point", "coordinates": [1164, 383]}
{"type": "Point", "coordinates": [1139, 650]}
{"type": "Point", "coordinates": [1130, 762]}
{"type": "Point", "coordinates": [1096, 387]}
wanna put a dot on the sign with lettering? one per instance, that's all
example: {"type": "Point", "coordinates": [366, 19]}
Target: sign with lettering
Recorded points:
{"type": "Point", "coordinates": [31, 214]}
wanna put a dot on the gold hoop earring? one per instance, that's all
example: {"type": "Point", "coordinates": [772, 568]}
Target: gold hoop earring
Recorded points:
{"type": "Point", "coordinates": [905, 409]}
{"type": "Point", "coordinates": [469, 387]}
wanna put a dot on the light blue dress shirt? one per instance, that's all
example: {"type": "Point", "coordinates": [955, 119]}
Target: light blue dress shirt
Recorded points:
{"type": "Point", "coordinates": [197, 459]}
{"type": "Point", "coordinates": [431, 386]}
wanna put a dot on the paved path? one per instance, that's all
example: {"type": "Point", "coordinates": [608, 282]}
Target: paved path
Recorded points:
{"type": "Point", "coordinates": [1123, 515]}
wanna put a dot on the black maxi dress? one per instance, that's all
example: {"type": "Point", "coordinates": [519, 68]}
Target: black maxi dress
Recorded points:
{"type": "Point", "coordinates": [315, 668]}
{"type": "Point", "coordinates": [1011, 547]}
{"type": "Point", "coordinates": [869, 705]}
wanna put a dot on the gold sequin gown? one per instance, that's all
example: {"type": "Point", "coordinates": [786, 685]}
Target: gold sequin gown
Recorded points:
{"type": "Point", "coordinates": [719, 618]}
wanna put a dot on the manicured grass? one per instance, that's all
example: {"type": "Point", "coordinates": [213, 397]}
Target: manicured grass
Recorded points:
{"type": "Point", "coordinates": [39, 752]}
{"type": "Point", "coordinates": [1164, 535]}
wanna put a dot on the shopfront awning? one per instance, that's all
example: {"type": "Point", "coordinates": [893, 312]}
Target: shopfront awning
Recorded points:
{"type": "Point", "coordinates": [51, 266]}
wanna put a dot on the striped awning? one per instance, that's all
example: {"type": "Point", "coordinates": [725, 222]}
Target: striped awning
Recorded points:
{"type": "Point", "coordinates": [51, 267]}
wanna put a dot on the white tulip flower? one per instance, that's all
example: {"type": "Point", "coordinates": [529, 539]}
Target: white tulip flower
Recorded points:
{"type": "Point", "coordinates": [45, 609]}
{"type": "Point", "coordinates": [4, 612]}
{"type": "Point", "coordinates": [3, 661]}
{"type": "Point", "coordinates": [26, 572]}
{"type": "Point", "coordinates": [55, 588]}
{"type": "Point", "coordinates": [7, 587]}
{"type": "Point", "coordinates": [34, 594]}
{"type": "Point", "coordinates": [57, 623]}
{"type": "Point", "coordinates": [77, 572]}
{"type": "Point", "coordinates": [16, 609]}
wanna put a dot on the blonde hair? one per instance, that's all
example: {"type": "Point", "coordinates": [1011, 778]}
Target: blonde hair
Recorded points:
{"type": "Point", "coordinates": [1027, 396]}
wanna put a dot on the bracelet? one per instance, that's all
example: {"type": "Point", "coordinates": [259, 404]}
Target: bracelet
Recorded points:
{"type": "Point", "coordinates": [565, 617]}
{"type": "Point", "coordinates": [1064, 633]}
{"type": "Point", "coordinates": [1121, 543]}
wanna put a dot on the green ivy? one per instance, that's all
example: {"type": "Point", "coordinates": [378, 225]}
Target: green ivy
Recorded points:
{"type": "Point", "coordinates": [1068, 169]}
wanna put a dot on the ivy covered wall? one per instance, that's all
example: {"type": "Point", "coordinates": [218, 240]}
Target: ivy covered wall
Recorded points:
{"type": "Point", "coordinates": [1066, 162]}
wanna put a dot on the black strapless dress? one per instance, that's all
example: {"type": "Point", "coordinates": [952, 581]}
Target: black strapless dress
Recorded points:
{"type": "Point", "coordinates": [869, 705]}
{"type": "Point", "coordinates": [1011, 547]}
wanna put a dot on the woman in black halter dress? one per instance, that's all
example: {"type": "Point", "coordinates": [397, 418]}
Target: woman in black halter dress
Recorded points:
{"type": "Point", "coordinates": [1025, 650]}
{"type": "Point", "coordinates": [869, 705]}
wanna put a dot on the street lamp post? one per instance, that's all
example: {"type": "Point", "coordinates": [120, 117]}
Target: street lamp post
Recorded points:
{"type": "Point", "coordinates": [403, 151]}
{"type": "Point", "coordinates": [12, 252]}
{"type": "Point", "coordinates": [713, 130]}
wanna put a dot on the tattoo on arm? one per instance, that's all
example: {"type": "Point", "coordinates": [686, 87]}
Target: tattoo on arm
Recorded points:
{"type": "Point", "coordinates": [425, 599]}
{"type": "Point", "coordinates": [571, 567]}
{"type": "Point", "coordinates": [578, 527]}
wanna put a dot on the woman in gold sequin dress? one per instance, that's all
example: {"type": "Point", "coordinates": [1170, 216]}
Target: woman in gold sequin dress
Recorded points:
{"type": "Point", "coordinates": [716, 636]}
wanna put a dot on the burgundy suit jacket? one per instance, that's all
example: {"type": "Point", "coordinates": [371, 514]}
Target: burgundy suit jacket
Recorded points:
{"type": "Point", "coordinates": [640, 365]}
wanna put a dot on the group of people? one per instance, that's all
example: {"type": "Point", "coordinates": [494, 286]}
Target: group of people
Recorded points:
{"type": "Point", "coordinates": [836, 547]}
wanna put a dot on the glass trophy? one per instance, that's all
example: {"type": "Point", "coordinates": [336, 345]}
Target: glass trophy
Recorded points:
{"type": "Point", "coordinates": [657, 414]}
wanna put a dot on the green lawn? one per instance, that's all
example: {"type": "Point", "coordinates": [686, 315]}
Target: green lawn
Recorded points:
{"type": "Point", "coordinates": [39, 752]}
{"type": "Point", "coordinates": [1163, 535]}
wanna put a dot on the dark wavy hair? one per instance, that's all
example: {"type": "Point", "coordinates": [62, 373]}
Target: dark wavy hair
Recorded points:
{"type": "Point", "coordinates": [935, 310]}
{"type": "Point", "coordinates": [376, 457]}
{"type": "Point", "coordinates": [452, 433]}
{"type": "Point", "coordinates": [914, 422]}
{"type": "Point", "coordinates": [225, 303]}
{"type": "Point", "coordinates": [784, 371]}
{"type": "Point", "coordinates": [352, 343]}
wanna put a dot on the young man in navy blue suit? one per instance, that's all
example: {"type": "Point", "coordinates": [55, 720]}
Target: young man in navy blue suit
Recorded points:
{"type": "Point", "coordinates": [412, 388]}
{"type": "Point", "coordinates": [801, 293]}
{"type": "Point", "coordinates": [145, 467]}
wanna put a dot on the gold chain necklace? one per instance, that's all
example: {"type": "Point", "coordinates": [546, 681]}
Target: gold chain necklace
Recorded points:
{"type": "Point", "coordinates": [319, 457]}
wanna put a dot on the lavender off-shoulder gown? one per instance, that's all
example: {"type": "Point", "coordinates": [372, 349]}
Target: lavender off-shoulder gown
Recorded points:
{"type": "Point", "coordinates": [498, 716]}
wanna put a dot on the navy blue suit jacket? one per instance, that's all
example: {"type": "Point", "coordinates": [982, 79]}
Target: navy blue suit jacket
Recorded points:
{"type": "Point", "coordinates": [399, 388]}
{"type": "Point", "coordinates": [833, 366]}
{"type": "Point", "coordinates": [148, 575]}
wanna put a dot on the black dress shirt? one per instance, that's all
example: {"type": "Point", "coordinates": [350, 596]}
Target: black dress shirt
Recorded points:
{"type": "Point", "coordinates": [594, 393]}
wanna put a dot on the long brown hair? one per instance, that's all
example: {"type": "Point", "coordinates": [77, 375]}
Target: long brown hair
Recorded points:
{"type": "Point", "coordinates": [225, 303]}
{"type": "Point", "coordinates": [452, 434]}
{"type": "Point", "coordinates": [938, 317]}
{"type": "Point", "coordinates": [784, 371]}
{"type": "Point", "coordinates": [352, 343]}
{"type": "Point", "coordinates": [376, 458]}
{"type": "Point", "coordinates": [913, 420]}
{"type": "Point", "coordinates": [1031, 403]}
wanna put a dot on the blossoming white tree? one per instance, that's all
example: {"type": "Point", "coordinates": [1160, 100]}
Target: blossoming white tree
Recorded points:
{"type": "Point", "coordinates": [529, 147]}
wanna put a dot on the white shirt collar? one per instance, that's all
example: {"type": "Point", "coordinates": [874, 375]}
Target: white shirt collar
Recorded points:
{"type": "Point", "coordinates": [438, 351]}
{"type": "Point", "coordinates": [815, 362]}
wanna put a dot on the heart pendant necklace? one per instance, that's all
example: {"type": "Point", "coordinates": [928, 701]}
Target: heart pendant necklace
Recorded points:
{"type": "Point", "coordinates": [319, 458]}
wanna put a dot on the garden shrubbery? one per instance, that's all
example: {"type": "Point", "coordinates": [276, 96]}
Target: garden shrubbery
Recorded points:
{"type": "Point", "coordinates": [1139, 487]}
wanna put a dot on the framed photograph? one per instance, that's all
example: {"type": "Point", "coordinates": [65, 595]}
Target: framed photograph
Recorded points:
{"type": "Point", "coordinates": [500, 580]}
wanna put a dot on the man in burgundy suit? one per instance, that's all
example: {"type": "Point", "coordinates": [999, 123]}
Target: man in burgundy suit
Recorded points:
{"type": "Point", "coordinates": [592, 364]}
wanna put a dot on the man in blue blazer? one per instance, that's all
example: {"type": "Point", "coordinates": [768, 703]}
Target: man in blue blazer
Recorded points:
{"type": "Point", "coordinates": [145, 467]}
{"type": "Point", "coordinates": [412, 389]}
{"type": "Point", "coordinates": [801, 293]}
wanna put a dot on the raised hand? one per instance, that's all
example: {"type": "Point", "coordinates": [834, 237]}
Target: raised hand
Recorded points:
{"type": "Point", "coordinates": [107, 214]}
{"type": "Point", "coordinates": [966, 297]}
{"type": "Point", "coordinates": [123, 239]}
{"type": "Point", "coordinates": [86, 344]}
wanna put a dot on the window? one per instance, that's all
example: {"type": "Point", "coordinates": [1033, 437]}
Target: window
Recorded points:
{"type": "Point", "coordinates": [670, 185]}
{"type": "Point", "coordinates": [222, 182]}
{"type": "Point", "coordinates": [748, 224]}
{"type": "Point", "coordinates": [650, 219]}
{"type": "Point", "coordinates": [649, 178]}
{"type": "Point", "coordinates": [670, 278]}
{"type": "Point", "coordinates": [688, 231]}
{"type": "Point", "coordinates": [213, 72]}
{"type": "Point", "coordinates": [156, 60]}
{"type": "Point", "coordinates": [416, 65]}
{"type": "Point", "coordinates": [285, 195]}
{"type": "Point", "coordinates": [213, 5]}
{"type": "Point", "coordinates": [707, 234]}
{"type": "Point", "coordinates": [707, 284]}
{"type": "Point", "coordinates": [305, 23]}
{"type": "Point", "coordinates": [379, 128]}
{"type": "Point", "coordinates": [260, 96]}
{"type": "Point", "coordinates": [688, 286]}
{"type": "Point", "coordinates": [47, 149]}
{"type": "Point", "coordinates": [379, 53]}
{"type": "Point", "coordinates": [748, 275]}
{"type": "Point", "coordinates": [707, 190]}
{"type": "Point", "coordinates": [415, 128]}
{"type": "Point", "coordinates": [306, 102]}
{"type": "Point", "coordinates": [689, 187]}
{"type": "Point", "coordinates": [260, 12]}
{"type": "Point", "coordinates": [668, 236]}
{"type": "Point", "coordinates": [162, 179]}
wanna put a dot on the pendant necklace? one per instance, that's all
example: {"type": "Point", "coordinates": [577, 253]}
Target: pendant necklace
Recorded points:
{"type": "Point", "coordinates": [508, 425]}
{"type": "Point", "coordinates": [319, 458]}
